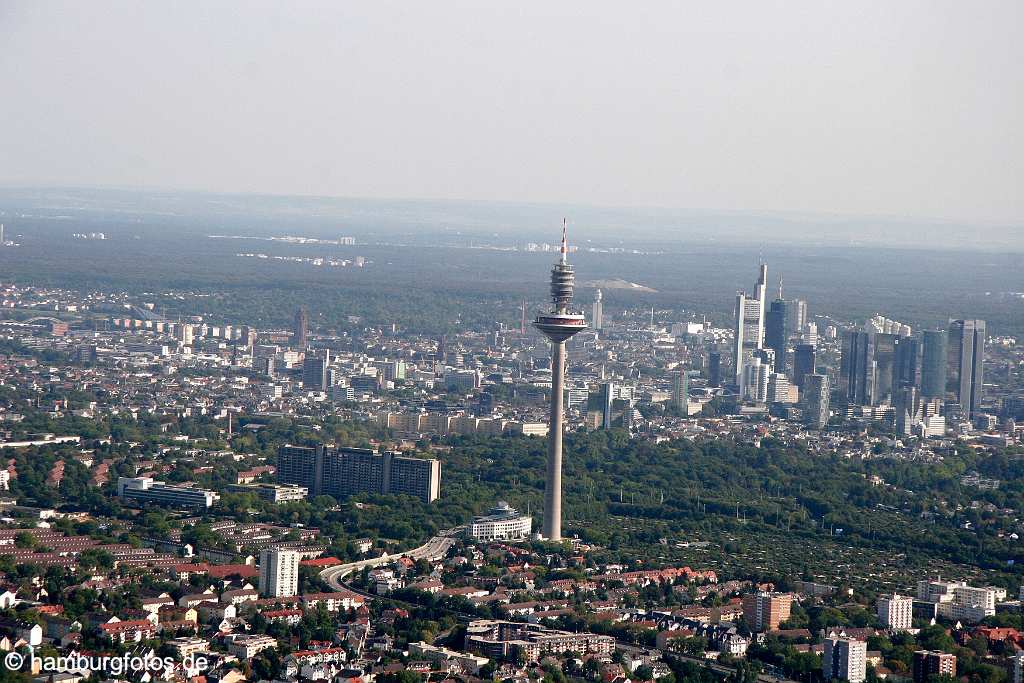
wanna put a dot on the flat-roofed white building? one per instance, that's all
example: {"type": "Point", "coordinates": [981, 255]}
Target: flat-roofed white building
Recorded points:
{"type": "Point", "coordinates": [896, 611]}
{"type": "Point", "coordinates": [502, 523]}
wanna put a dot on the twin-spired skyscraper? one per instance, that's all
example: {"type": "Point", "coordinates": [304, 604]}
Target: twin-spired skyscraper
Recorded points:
{"type": "Point", "coordinates": [749, 326]}
{"type": "Point", "coordinates": [558, 326]}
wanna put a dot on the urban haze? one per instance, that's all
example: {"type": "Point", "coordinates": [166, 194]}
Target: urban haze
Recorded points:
{"type": "Point", "coordinates": [541, 342]}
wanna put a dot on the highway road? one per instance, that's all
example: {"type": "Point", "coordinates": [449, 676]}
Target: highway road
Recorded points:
{"type": "Point", "coordinates": [433, 549]}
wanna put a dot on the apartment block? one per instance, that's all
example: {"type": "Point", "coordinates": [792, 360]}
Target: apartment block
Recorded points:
{"type": "Point", "coordinates": [765, 611]}
{"type": "Point", "coordinates": [342, 472]}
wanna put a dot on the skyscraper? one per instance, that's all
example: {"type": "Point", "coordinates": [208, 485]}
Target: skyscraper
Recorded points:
{"type": "Point", "coordinates": [681, 391]}
{"type": "Point", "coordinates": [857, 368]}
{"type": "Point", "coordinates": [776, 333]}
{"type": "Point", "coordinates": [598, 316]}
{"type": "Point", "coordinates": [300, 334]}
{"type": "Point", "coordinates": [934, 358]}
{"type": "Point", "coordinates": [908, 352]}
{"type": "Point", "coordinates": [714, 369]}
{"type": "Point", "coordinates": [558, 326]}
{"type": "Point", "coordinates": [279, 572]}
{"type": "Point", "coordinates": [885, 367]}
{"type": "Point", "coordinates": [755, 380]}
{"type": "Point", "coordinates": [314, 371]}
{"type": "Point", "coordinates": [803, 363]}
{"type": "Point", "coordinates": [815, 397]}
{"type": "Point", "coordinates": [796, 314]}
{"type": "Point", "coordinates": [603, 404]}
{"type": "Point", "coordinates": [749, 328]}
{"type": "Point", "coordinates": [965, 369]}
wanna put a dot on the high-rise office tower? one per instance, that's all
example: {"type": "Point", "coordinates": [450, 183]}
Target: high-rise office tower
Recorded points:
{"type": "Point", "coordinates": [598, 316]}
{"type": "Point", "coordinates": [906, 373]}
{"type": "Point", "coordinates": [264, 365]}
{"type": "Point", "coordinates": [279, 572]}
{"type": "Point", "coordinates": [796, 314]}
{"type": "Point", "coordinates": [803, 363]}
{"type": "Point", "coordinates": [755, 380]}
{"type": "Point", "coordinates": [602, 404]}
{"type": "Point", "coordinates": [247, 336]}
{"type": "Point", "coordinates": [965, 369]}
{"type": "Point", "coordinates": [185, 333]}
{"type": "Point", "coordinates": [300, 335]}
{"type": "Point", "coordinates": [934, 358]}
{"type": "Point", "coordinates": [714, 369]}
{"type": "Point", "coordinates": [885, 367]}
{"type": "Point", "coordinates": [776, 333]}
{"type": "Point", "coordinates": [809, 333]}
{"type": "Point", "coordinates": [857, 369]}
{"type": "Point", "coordinates": [844, 659]}
{"type": "Point", "coordinates": [749, 328]}
{"type": "Point", "coordinates": [681, 391]}
{"type": "Point", "coordinates": [314, 371]}
{"type": "Point", "coordinates": [558, 326]}
{"type": "Point", "coordinates": [815, 397]}
{"type": "Point", "coordinates": [779, 388]}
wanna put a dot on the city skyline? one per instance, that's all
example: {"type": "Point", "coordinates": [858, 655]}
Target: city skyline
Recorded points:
{"type": "Point", "coordinates": [285, 427]}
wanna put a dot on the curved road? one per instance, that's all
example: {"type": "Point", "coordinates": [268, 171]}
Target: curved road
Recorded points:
{"type": "Point", "coordinates": [433, 549]}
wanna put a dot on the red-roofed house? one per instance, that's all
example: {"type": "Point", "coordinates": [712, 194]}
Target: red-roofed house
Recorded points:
{"type": "Point", "coordinates": [128, 631]}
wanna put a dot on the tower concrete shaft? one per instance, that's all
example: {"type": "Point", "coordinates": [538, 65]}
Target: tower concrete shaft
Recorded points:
{"type": "Point", "coordinates": [558, 326]}
{"type": "Point", "coordinates": [553, 481]}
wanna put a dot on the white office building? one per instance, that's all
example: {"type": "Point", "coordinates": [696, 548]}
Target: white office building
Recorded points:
{"type": "Point", "coordinates": [144, 490]}
{"type": "Point", "coordinates": [502, 523]}
{"type": "Point", "coordinates": [597, 319]}
{"type": "Point", "coordinates": [279, 572]}
{"type": "Point", "coordinates": [755, 384]}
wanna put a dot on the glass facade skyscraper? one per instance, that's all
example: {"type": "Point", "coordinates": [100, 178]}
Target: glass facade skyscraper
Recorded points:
{"type": "Point", "coordinates": [933, 363]}
{"type": "Point", "coordinates": [966, 360]}
{"type": "Point", "coordinates": [776, 332]}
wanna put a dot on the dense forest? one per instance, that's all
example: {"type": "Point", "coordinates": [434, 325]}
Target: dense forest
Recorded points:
{"type": "Point", "coordinates": [427, 278]}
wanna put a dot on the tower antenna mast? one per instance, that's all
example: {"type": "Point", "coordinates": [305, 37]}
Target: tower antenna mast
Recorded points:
{"type": "Point", "coordinates": [558, 326]}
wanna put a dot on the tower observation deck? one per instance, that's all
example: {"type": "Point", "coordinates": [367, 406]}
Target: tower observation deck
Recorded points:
{"type": "Point", "coordinates": [558, 326]}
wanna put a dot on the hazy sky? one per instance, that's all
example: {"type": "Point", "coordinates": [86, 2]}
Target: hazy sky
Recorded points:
{"type": "Point", "coordinates": [876, 107]}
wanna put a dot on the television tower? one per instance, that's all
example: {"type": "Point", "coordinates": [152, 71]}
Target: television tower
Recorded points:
{"type": "Point", "coordinates": [558, 325]}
